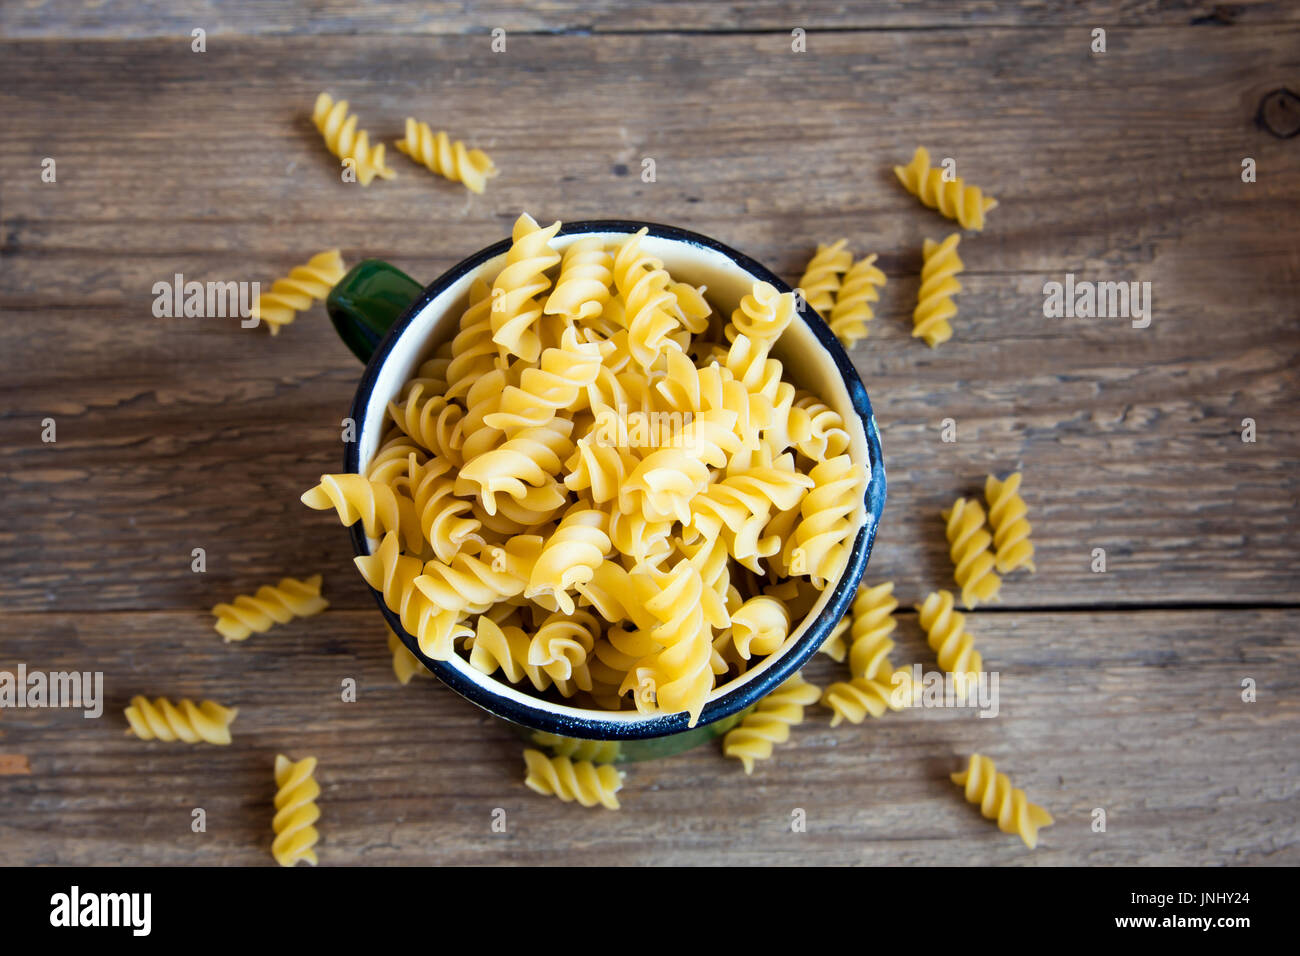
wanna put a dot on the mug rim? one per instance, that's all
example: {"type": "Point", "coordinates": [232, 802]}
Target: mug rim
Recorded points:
{"type": "Point", "coordinates": [653, 725]}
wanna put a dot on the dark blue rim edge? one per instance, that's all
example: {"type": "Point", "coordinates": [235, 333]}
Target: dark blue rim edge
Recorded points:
{"type": "Point", "coordinates": [841, 598]}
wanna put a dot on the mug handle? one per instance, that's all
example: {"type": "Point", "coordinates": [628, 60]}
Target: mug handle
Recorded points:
{"type": "Point", "coordinates": [367, 301]}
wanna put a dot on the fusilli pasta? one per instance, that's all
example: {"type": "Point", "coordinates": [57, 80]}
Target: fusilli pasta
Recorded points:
{"type": "Point", "coordinates": [769, 722]}
{"type": "Point", "coordinates": [968, 542]}
{"type": "Point", "coordinates": [952, 198]}
{"type": "Point", "coordinates": [1000, 801]}
{"type": "Point", "coordinates": [440, 155]}
{"type": "Point", "coordinates": [270, 605]}
{"type": "Point", "coordinates": [849, 316]}
{"type": "Point", "coordinates": [185, 721]}
{"type": "Point", "coordinates": [339, 129]}
{"type": "Point", "coordinates": [296, 811]}
{"type": "Point", "coordinates": [1010, 527]}
{"type": "Point", "coordinates": [822, 276]}
{"type": "Point", "coordinates": [583, 781]}
{"type": "Point", "coordinates": [303, 285]}
{"type": "Point", "coordinates": [934, 305]}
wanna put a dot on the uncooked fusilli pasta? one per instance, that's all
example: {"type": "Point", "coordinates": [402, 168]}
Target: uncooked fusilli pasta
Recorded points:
{"type": "Point", "coordinates": [934, 305]}
{"type": "Point", "coordinates": [968, 546]}
{"type": "Point", "coordinates": [583, 781]}
{"type": "Point", "coordinates": [1010, 527]}
{"type": "Point", "coordinates": [1000, 801]}
{"type": "Point", "coordinates": [296, 811]}
{"type": "Point", "coordinates": [953, 198]}
{"type": "Point", "coordinates": [822, 276]}
{"type": "Point", "coordinates": [440, 155]}
{"type": "Point", "coordinates": [303, 285]}
{"type": "Point", "coordinates": [185, 721]}
{"type": "Point", "coordinates": [849, 316]}
{"type": "Point", "coordinates": [339, 129]}
{"type": "Point", "coordinates": [769, 722]}
{"type": "Point", "coordinates": [270, 605]}
{"type": "Point", "coordinates": [945, 630]}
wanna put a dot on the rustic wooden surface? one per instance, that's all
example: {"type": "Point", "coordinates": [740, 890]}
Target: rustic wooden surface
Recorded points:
{"type": "Point", "coordinates": [1120, 690]}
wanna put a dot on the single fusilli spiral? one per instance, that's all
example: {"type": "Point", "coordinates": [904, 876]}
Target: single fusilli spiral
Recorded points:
{"type": "Point", "coordinates": [934, 305]}
{"type": "Point", "coordinates": [494, 646]}
{"type": "Point", "coordinates": [432, 420]}
{"type": "Point", "coordinates": [945, 630]}
{"type": "Point", "coordinates": [270, 605]}
{"type": "Point", "coordinates": [1000, 801]}
{"type": "Point", "coordinates": [375, 505]}
{"type": "Point", "coordinates": [582, 289]}
{"type": "Point", "coordinates": [185, 721]}
{"type": "Point", "coordinates": [1010, 528]}
{"type": "Point", "coordinates": [405, 664]}
{"type": "Point", "coordinates": [296, 811]}
{"type": "Point", "coordinates": [515, 305]}
{"type": "Point", "coordinates": [569, 558]}
{"type": "Point", "coordinates": [759, 626]}
{"type": "Point", "coordinates": [559, 382]}
{"type": "Point", "coordinates": [819, 545]}
{"type": "Point", "coordinates": [651, 306]}
{"type": "Point", "coordinates": [473, 353]}
{"type": "Point", "coordinates": [821, 278]}
{"type": "Point", "coordinates": [968, 546]}
{"type": "Point", "coordinates": [583, 781]}
{"type": "Point", "coordinates": [561, 647]}
{"type": "Point", "coordinates": [523, 468]}
{"type": "Point", "coordinates": [873, 622]}
{"type": "Point", "coordinates": [341, 136]}
{"type": "Point", "coordinates": [769, 722]}
{"type": "Point", "coordinates": [853, 700]}
{"type": "Point", "coordinates": [852, 310]}
{"type": "Point", "coordinates": [953, 198]}
{"type": "Point", "coordinates": [303, 285]}
{"type": "Point", "coordinates": [440, 155]}
{"type": "Point", "coordinates": [393, 575]}
{"type": "Point", "coordinates": [764, 314]}
{"type": "Point", "coordinates": [446, 522]}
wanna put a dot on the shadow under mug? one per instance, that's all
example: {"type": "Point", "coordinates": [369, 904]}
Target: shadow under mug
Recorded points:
{"type": "Point", "coordinates": [392, 323]}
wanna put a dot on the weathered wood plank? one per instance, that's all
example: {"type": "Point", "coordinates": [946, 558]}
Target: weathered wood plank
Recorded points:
{"type": "Point", "coordinates": [65, 18]}
{"type": "Point", "coordinates": [1136, 713]}
{"type": "Point", "coordinates": [178, 434]}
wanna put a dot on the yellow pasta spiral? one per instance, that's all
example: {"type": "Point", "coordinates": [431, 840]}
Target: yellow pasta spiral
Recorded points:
{"type": "Point", "coordinates": [561, 647]}
{"type": "Point", "coordinates": [945, 630]}
{"type": "Point", "coordinates": [953, 198]}
{"type": "Point", "coordinates": [442, 156]}
{"type": "Point", "coordinates": [583, 288]}
{"type": "Point", "coordinates": [506, 648]}
{"type": "Point", "coordinates": [769, 722]}
{"type": "Point", "coordinates": [583, 781]}
{"type": "Point", "coordinates": [873, 622]}
{"type": "Point", "coordinates": [432, 420]}
{"type": "Point", "coordinates": [185, 721]}
{"type": "Point", "coordinates": [1000, 801]}
{"type": "Point", "coordinates": [445, 521]}
{"type": "Point", "coordinates": [523, 468]}
{"type": "Point", "coordinates": [821, 278]}
{"type": "Point", "coordinates": [764, 314]}
{"type": "Point", "coordinates": [376, 506]}
{"type": "Point", "coordinates": [393, 574]}
{"type": "Point", "coordinates": [270, 605]}
{"type": "Point", "coordinates": [570, 556]}
{"type": "Point", "coordinates": [296, 811]}
{"type": "Point", "coordinates": [968, 546]}
{"type": "Point", "coordinates": [1010, 528]}
{"type": "Point", "coordinates": [405, 664]}
{"type": "Point", "coordinates": [303, 285]}
{"type": "Point", "coordinates": [819, 545]}
{"type": "Point", "coordinates": [651, 312]}
{"type": "Point", "coordinates": [473, 353]}
{"type": "Point", "coordinates": [852, 310]}
{"type": "Point", "coordinates": [759, 626]}
{"type": "Point", "coordinates": [558, 382]}
{"type": "Point", "coordinates": [515, 307]}
{"type": "Point", "coordinates": [934, 305]}
{"type": "Point", "coordinates": [340, 132]}
{"type": "Point", "coordinates": [853, 700]}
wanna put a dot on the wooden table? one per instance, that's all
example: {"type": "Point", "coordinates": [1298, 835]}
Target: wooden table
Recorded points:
{"type": "Point", "coordinates": [1120, 690]}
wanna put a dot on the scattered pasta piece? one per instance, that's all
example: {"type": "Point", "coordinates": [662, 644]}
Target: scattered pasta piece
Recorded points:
{"type": "Point", "coordinates": [934, 305]}
{"type": "Point", "coordinates": [1010, 527]}
{"type": "Point", "coordinates": [304, 285]}
{"type": "Point", "coordinates": [438, 153]}
{"type": "Point", "coordinates": [953, 198]}
{"type": "Point", "coordinates": [873, 622]}
{"type": "Point", "coordinates": [186, 721]}
{"type": "Point", "coordinates": [852, 310]}
{"type": "Point", "coordinates": [1000, 801]}
{"type": "Point", "coordinates": [296, 811]}
{"type": "Point", "coordinates": [769, 722]}
{"type": "Point", "coordinates": [270, 605]}
{"type": "Point", "coordinates": [853, 700]}
{"type": "Point", "coordinates": [339, 130]}
{"type": "Point", "coordinates": [945, 630]}
{"type": "Point", "coordinates": [376, 506]}
{"type": "Point", "coordinates": [405, 664]}
{"type": "Point", "coordinates": [583, 781]}
{"type": "Point", "coordinates": [822, 277]}
{"type": "Point", "coordinates": [969, 544]}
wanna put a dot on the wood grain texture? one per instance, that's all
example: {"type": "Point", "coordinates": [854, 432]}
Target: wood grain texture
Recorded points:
{"type": "Point", "coordinates": [1120, 690]}
{"type": "Point", "coordinates": [1146, 721]}
{"type": "Point", "coordinates": [117, 18]}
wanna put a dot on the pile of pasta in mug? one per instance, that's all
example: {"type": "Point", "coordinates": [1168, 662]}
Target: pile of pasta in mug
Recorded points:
{"type": "Point", "coordinates": [602, 489]}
